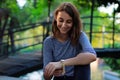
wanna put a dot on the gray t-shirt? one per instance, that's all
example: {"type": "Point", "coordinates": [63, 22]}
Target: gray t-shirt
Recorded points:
{"type": "Point", "coordinates": [54, 50]}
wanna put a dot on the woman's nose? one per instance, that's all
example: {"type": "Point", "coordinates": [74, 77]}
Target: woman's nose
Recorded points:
{"type": "Point", "coordinates": [64, 24]}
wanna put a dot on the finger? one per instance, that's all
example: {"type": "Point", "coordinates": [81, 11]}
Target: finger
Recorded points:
{"type": "Point", "coordinates": [57, 72]}
{"type": "Point", "coordinates": [47, 77]}
{"type": "Point", "coordinates": [52, 69]}
{"type": "Point", "coordinates": [49, 69]}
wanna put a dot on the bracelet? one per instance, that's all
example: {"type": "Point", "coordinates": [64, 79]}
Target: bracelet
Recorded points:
{"type": "Point", "coordinates": [63, 66]}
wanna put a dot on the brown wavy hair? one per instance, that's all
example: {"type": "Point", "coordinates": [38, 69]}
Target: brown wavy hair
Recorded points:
{"type": "Point", "coordinates": [72, 11]}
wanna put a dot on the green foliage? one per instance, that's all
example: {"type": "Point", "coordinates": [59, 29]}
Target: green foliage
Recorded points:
{"type": "Point", "coordinates": [33, 12]}
{"type": "Point", "coordinates": [31, 49]}
{"type": "Point", "coordinates": [113, 63]}
{"type": "Point", "coordinates": [30, 12]}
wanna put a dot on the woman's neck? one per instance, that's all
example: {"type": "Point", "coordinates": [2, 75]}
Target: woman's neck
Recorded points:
{"type": "Point", "coordinates": [62, 37]}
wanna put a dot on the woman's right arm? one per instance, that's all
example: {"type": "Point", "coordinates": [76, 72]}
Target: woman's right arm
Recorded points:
{"type": "Point", "coordinates": [47, 56]}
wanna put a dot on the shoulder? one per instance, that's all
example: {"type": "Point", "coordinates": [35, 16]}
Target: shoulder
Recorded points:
{"type": "Point", "coordinates": [48, 42]}
{"type": "Point", "coordinates": [83, 39]}
{"type": "Point", "coordinates": [83, 35]}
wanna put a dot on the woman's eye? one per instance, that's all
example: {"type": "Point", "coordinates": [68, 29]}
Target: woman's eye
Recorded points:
{"type": "Point", "coordinates": [60, 20]}
{"type": "Point", "coordinates": [69, 21]}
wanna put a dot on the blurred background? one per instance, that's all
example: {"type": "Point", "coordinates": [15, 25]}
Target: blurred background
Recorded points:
{"type": "Point", "coordinates": [24, 24]}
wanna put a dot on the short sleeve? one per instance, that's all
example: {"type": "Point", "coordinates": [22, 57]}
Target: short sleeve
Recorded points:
{"type": "Point", "coordinates": [85, 44]}
{"type": "Point", "coordinates": [47, 51]}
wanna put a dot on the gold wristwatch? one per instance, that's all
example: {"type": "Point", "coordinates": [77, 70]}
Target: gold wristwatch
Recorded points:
{"type": "Point", "coordinates": [63, 66]}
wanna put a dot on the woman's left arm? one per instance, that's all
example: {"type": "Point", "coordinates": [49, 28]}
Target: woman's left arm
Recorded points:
{"type": "Point", "coordinates": [86, 56]}
{"type": "Point", "coordinates": [80, 59]}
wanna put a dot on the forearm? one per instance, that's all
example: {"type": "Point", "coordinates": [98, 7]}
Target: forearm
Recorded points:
{"type": "Point", "coordinates": [80, 59]}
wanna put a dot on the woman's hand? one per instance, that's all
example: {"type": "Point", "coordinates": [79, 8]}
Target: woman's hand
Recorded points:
{"type": "Point", "coordinates": [58, 72]}
{"type": "Point", "coordinates": [53, 68]}
{"type": "Point", "coordinates": [47, 77]}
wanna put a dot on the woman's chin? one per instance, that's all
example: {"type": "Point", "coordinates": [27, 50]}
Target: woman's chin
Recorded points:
{"type": "Point", "coordinates": [63, 32]}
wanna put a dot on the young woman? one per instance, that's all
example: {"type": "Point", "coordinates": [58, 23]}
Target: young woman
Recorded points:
{"type": "Point", "coordinates": [68, 53]}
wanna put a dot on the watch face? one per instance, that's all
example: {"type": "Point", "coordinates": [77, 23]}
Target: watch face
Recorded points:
{"type": "Point", "coordinates": [62, 60]}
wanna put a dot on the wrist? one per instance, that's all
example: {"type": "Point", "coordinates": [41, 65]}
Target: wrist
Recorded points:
{"type": "Point", "coordinates": [63, 66]}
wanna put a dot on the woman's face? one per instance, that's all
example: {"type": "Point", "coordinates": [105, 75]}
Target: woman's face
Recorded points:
{"type": "Point", "coordinates": [64, 22]}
